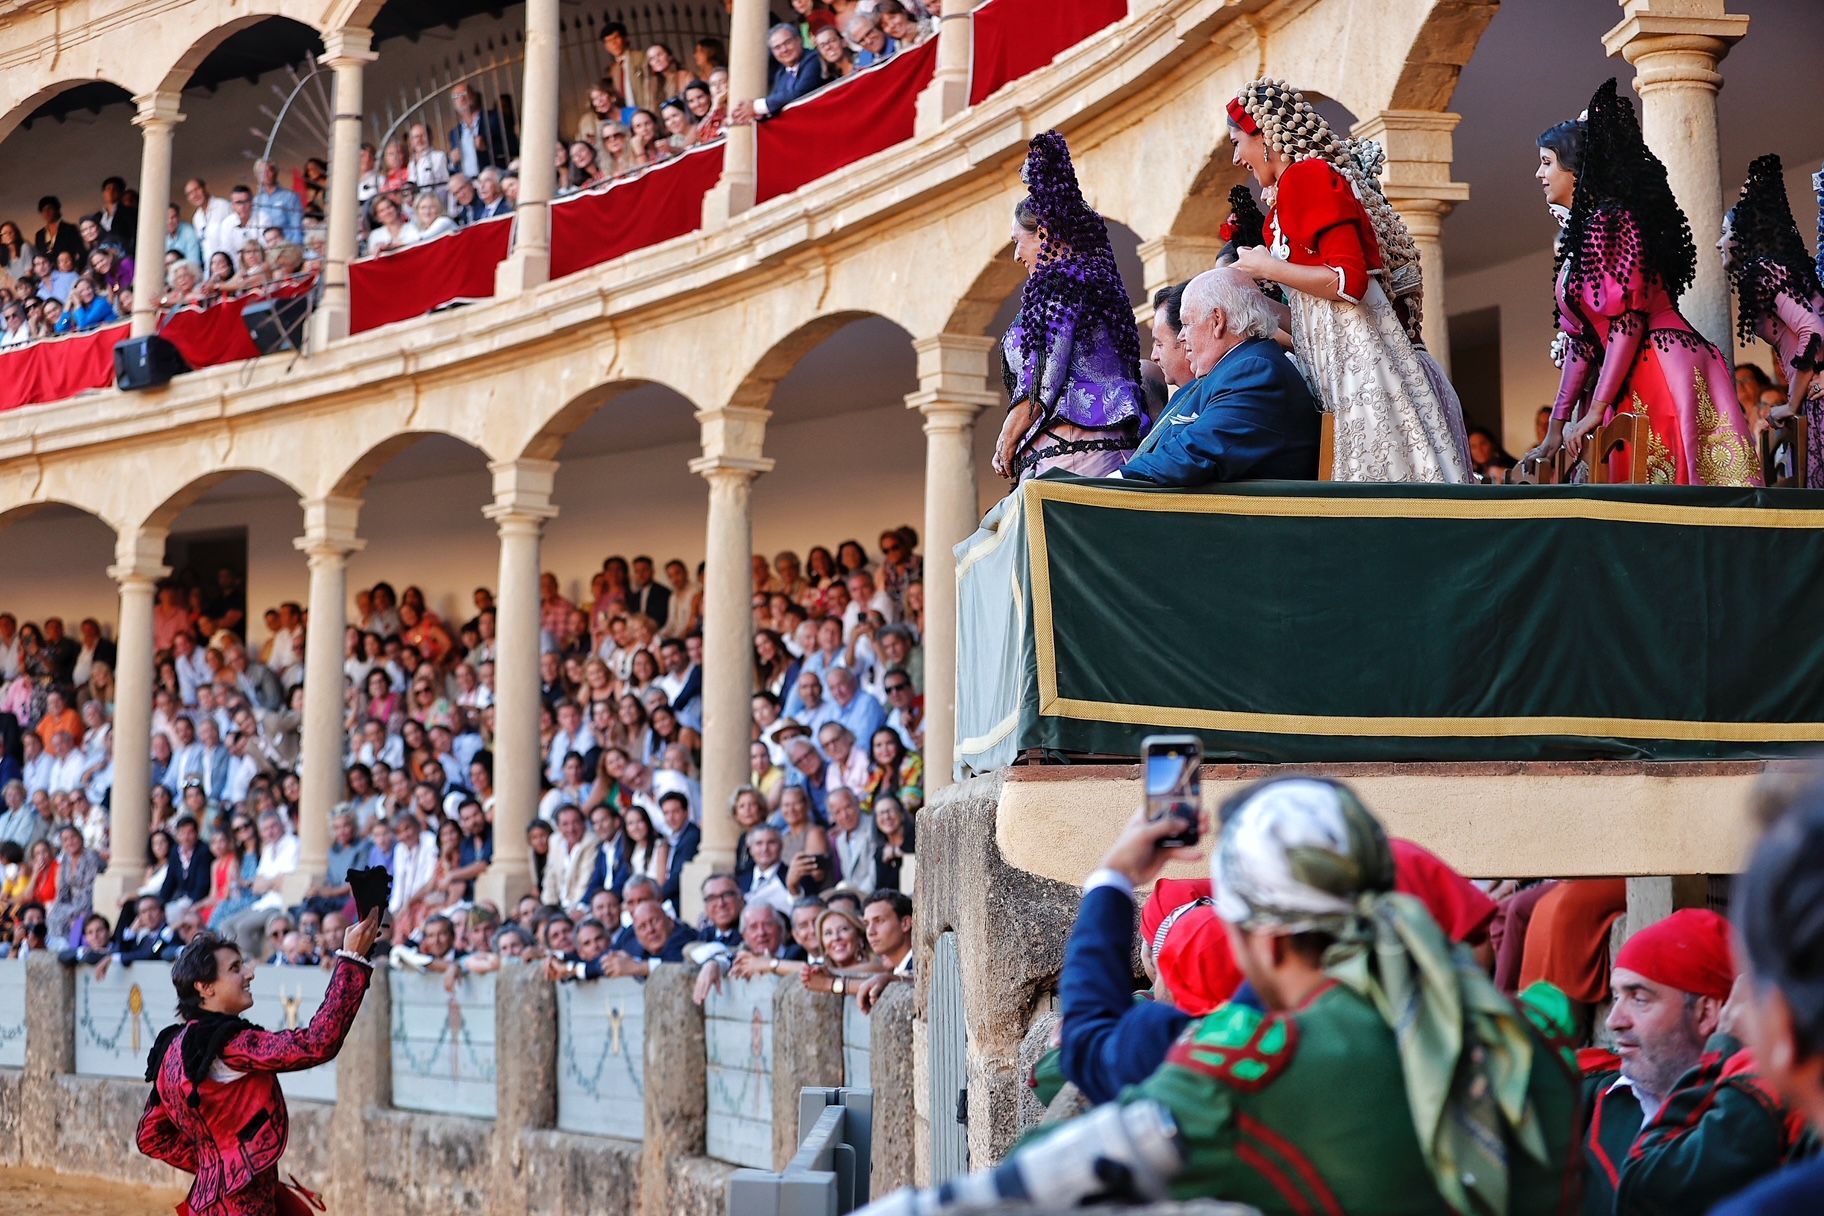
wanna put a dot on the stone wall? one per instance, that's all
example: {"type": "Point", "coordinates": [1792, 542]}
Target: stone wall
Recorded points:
{"type": "Point", "coordinates": [366, 1156]}
{"type": "Point", "coordinates": [1011, 926]}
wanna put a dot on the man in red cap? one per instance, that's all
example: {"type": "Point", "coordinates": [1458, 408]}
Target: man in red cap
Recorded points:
{"type": "Point", "coordinates": [1678, 1118]}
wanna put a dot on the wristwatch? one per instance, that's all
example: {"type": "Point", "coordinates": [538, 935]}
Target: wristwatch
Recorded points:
{"type": "Point", "coordinates": [773, 966]}
{"type": "Point", "coordinates": [840, 987]}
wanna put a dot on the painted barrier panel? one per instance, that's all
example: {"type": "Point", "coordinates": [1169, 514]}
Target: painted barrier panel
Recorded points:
{"type": "Point", "coordinates": [857, 1046]}
{"type": "Point", "coordinates": [601, 1058]}
{"type": "Point", "coordinates": [12, 1013]}
{"type": "Point", "coordinates": [738, 1034]}
{"type": "Point", "coordinates": [119, 1015]}
{"type": "Point", "coordinates": [443, 1044]}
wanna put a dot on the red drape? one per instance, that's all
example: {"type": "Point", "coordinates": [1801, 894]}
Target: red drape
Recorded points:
{"type": "Point", "coordinates": [844, 123]}
{"type": "Point", "coordinates": [59, 368]}
{"type": "Point", "coordinates": [411, 282]}
{"type": "Point", "coordinates": [664, 202]}
{"type": "Point", "coordinates": [1014, 37]}
{"type": "Point", "coordinates": [216, 334]}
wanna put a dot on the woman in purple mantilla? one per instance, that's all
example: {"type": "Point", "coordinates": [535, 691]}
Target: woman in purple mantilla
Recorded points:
{"type": "Point", "coordinates": [1071, 359]}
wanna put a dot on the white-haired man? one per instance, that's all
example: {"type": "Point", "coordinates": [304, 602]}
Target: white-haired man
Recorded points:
{"type": "Point", "coordinates": [1248, 414]}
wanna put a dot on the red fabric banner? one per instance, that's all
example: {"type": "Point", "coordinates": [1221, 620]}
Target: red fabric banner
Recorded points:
{"type": "Point", "coordinates": [1015, 37]}
{"type": "Point", "coordinates": [855, 118]}
{"type": "Point", "coordinates": [216, 334]}
{"type": "Point", "coordinates": [59, 367]}
{"type": "Point", "coordinates": [664, 202]}
{"type": "Point", "coordinates": [409, 283]}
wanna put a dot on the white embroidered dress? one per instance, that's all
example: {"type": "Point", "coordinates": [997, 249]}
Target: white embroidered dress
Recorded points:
{"type": "Point", "coordinates": [1396, 418]}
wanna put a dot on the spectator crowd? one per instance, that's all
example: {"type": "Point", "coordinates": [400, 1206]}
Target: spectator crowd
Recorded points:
{"type": "Point", "coordinates": [827, 823]}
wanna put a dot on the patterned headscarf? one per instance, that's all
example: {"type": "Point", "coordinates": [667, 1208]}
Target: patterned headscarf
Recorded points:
{"type": "Point", "coordinates": [1303, 855]}
{"type": "Point", "coordinates": [1076, 278]}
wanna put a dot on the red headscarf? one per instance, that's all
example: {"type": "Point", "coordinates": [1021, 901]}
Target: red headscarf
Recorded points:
{"type": "Point", "coordinates": [1688, 951]}
{"type": "Point", "coordinates": [1460, 907]}
{"type": "Point", "coordinates": [1199, 969]}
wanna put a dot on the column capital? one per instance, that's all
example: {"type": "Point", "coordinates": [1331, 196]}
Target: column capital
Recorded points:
{"type": "Point", "coordinates": [959, 360]}
{"type": "Point", "coordinates": [522, 491]}
{"type": "Point", "coordinates": [733, 433]}
{"type": "Point", "coordinates": [139, 558]}
{"type": "Point", "coordinates": [350, 46]}
{"type": "Point", "coordinates": [329, 528]}
{"type": "Point", "coordinates": [730, 468]}
{"type": "Point", "coordinates": [159, 110]}
{"type": "Point", "coordinates": [1419, 150]}
{"type": "Point", "coordinates": [1644, 32]}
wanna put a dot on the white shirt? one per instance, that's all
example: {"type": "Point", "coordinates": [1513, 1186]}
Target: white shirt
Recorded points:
{"type": "Point", "coordinates": [65, 774]}
{"type": "Point", "coordinates": [768, 887]}
{"type": "Point", "coordinates": [38, 773]}
{"type": "Point", "coordinates": [9, 651]}
{"type": "Point", "coordinates": [439, 226]}
{"type": "Point", "coordinates": [241, 772]}
{"type": "Point", "coordinates": [191, 672]}
{"type": "Point", "coordinates": [413, 869]}
{"type": "Point", "coordinates": [382, 237]}
{"type": "Point", "coordinates": [85, 665]}
{"type": "Point", "coordinates": [212, 221]}
{"type": "Point", "coordinates": [276, 860]}
{"type": "Point", "coordinates": [429, 168]}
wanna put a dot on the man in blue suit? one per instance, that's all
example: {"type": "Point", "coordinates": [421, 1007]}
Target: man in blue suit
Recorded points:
{"type": "Point", "coordinates": [1248, 414]}
{"type": "Point", "coordinates": [798, 76]}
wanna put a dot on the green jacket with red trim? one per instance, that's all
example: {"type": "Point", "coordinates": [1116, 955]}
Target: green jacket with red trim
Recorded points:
{"type": "Point", "coordinates": [1306, 1112]}
{"type": "Point", "coordinates": [1720, 1130]}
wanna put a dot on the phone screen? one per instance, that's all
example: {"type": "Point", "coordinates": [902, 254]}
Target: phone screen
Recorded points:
{"type": "Point", "coordinates": [1166, 773]}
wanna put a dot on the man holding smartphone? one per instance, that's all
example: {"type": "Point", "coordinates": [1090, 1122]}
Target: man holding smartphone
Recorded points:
{"type": "Point", "coordinates": [1308, 1097]}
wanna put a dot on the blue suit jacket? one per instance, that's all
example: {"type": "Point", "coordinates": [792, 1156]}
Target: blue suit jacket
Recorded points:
{"type": "Point", "coordinates": [683, 850]}
{"type": "Point", "coordinates": [1251, 417]}
{"type": "Point", "coordinates": [1110, 1040]}
{"type": "Point", "coordinates": [789, 88]}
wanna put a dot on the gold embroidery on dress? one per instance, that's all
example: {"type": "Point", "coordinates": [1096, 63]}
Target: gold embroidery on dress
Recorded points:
{"type": "Point", "coordinates": [1724, 457]}
{"type": "Point", "coordinates": [1661, 471]}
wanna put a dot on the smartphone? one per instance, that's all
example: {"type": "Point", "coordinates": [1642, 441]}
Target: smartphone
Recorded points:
{"type": "Point", "coordinates": [1172, 765]}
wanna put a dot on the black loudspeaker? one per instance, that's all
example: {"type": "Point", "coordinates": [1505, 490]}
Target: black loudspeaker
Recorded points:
{"type": "Point", "coordinates": [276, 325]}
{"type": "Point", "coordinates": [146, 363]}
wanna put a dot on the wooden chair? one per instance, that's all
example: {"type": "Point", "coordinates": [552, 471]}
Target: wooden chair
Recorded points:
{"type": "Point", "coordinates": [1536, 473]}
{"type": "Point", "coordinates": [1326, 447]}
{"type": "Point", "coordinates": [1627, 430]}
{"type": "Point", "coordinates": [1783, 453]}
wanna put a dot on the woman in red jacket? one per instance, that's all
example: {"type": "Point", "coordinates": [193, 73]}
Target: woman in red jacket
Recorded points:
{"type": "Point", "coordinates": [216, 1110]}
{"type": "Point", "coordinates": [1330, 237]}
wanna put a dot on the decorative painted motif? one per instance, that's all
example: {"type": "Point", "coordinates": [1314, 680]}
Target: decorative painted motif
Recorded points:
{"type": "Point", "coordinates": [601, 1058]}
{"type": "Point", "coordinates": [738, 1032]}
{"type": "Point", "coordinates": [117, 1017]}
{"type": "Point", "coordinates": [443, 1044]}
{"type": "Point", "coordinates": [12, 1013]}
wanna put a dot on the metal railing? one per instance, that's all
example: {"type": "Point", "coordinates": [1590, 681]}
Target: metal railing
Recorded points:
{"type": "Point", "coordinates": [828, 1175]}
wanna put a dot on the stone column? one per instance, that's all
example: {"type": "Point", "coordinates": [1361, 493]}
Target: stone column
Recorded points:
{"type": "Point", "coordinates": [747, 69]}
{"type": "Point", "coordinates": [953, 389]}
{"type": "Point", "coordinates": [157, 120]}
{"type": "Point", "coordinates": [522, 504]}
{"type": "Point", "coordinates": [1675, 47]}
{"type": "Point", "coordinates": [1417, 183]}
{"type": "Point", "coordinates": [731, 459]}
{"type": "Point", "coordinates": [346, 52]}
{"type": "Point", "coordinates": [525, 1084]}
{"type": "Point", "coordinates": [328, 540]}
{"type": "Point", "coordinates": [530, 262]}
{"type": "Point", "coordinates": [948, 93]}
{"type": "Point", "coordinates": [138, 565]}
{"type": "Point", "coordinates": [677, 1089]}
{"type": "Point", "coordinates": [1170, 259]}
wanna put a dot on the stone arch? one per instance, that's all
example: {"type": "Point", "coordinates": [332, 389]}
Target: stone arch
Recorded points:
{"type": "Point", "coordinates": [755, 388]}
{"type": "Point", "coordinates": [21, 512]}
{"type": "Point", "coordinates": [577, 412]}
{"type": "Point", "coordinates": [1435, 61]}
{"type": "Point", "coordinates": [353, 480]}
{"type": "Point", "coordinates": [178, 501]}
{"type": "Point", "coordinates": [178, 75]}
{"type": "Point", "coordinates": [16, 112]}
{"type": "Point", "coordinates": [69, 548]}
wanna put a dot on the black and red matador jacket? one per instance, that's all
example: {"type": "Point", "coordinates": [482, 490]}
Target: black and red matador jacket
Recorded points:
{"type": "Point", "coordinates": [234, 1132]}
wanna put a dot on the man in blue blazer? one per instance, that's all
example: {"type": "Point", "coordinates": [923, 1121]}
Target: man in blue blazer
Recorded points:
{"type": "Point", "coordinates": [798, 75]}
{"type": "Point", "coordinates": [1248, 414]}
